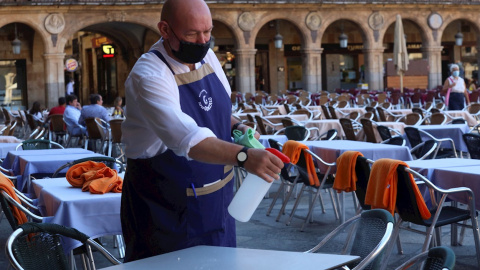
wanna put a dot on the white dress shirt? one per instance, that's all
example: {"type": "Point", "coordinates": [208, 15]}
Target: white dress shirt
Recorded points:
{"type": "Point", "coordinates": [154, 119]}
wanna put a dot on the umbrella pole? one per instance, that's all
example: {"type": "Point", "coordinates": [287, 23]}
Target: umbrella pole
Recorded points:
{"type": "Point", "coordinates": [401, 83]}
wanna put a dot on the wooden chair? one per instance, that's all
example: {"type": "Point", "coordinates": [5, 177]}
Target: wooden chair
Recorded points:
{"type": "Point", "coordinates": [116, 138]}
{"type": "Point", "coordinates": [97, 130]}
{"type": "Point", "coordinates": [57, 128]}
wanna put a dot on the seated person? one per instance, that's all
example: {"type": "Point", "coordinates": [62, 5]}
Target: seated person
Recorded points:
{"type": "Point", "coordinates": [118, 110]}
{"type": "Point", "coordinates": [95, 109]}
{"type": "Point", "coordinates": [71, 116]}
{"type": "Point", "coordinates": [60, 109]}
{"type": "Point", "coordinates": [36, 111]}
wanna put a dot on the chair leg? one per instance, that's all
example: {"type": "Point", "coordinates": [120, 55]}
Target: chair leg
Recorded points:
{"type": "Point", "coordinates": [121, 245]}
{"type": "Point", "coordinates": [476, 234]}
{"type": "Point", "coordinates": [391, 243]}
{"type": "Point", "coordinates": [277, 194]}
{"type": "Point", "coordinates": [334, 203]}
{"type": "Point", "coordinates": [297, 201]}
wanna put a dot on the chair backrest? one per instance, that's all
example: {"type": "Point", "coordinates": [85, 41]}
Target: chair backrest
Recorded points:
{"type": "Point", "coordinates": [333, 113]}
{"type": "Point", "coordinates": [331, 134]}
{"type": "Point", "coordinates": [474, 108]}
{"type": "Point", "coordinates": [438, 119]}
{"type": "Point", "coordinates": [473, 144]}
{"type": "Point", "coordinates": [261, 125]}
{"type": "Point", "coordinates": [37, 144]}
{"type": "Point", "coordinates": [381, 114]}
{"type": "Point", "coordinates": [406, 205]}
{"type": "Point", "coordinates": [94, 129]}
{"type": "Point", "coordinates": [6, 114]}
{"type": "Point", "coordinates": [348, 129]}
{"type": "Point", "coordinates": [368, 130]}
{"type": "Point", "coordinates": [287, 121]}
{"type": "Point", "coordinates": [287, 107]}
{"type": "Point", "coordinates": [116, 129]}
{"type": "Point", "coordinates": [31, 121]}
{"type": "Point", "coordinates": [56, 122]}
{"type": "Point", "coordinates": [384, 132]}
{"type": "Point", "coordinates": [11, 127]}
{"type": "Point", "coordinates": [362, 170]}
{"type": "Point", "coordinates": [372, 229]}
{"type": "Point", "coordinates": [419, 111]}
{"type": "Point", "coordinates": [440, 258]}
{"type": "Point", "coordinates": [326, 113]}
{"type": "Point", "coordinates": [343, 104]}
{"type": "Point", "coordinates": [39, 246]}
{"type": "Point", "coordinates": [109, 161]}
{"type": "Point", "coordinates": [302, 111]}
{"type": "Point", "coordinates": [411, 119]}
{"type": "Point", "coordinates": [413, 136]}
{"type": "Point", "coordinates": [354, 115]}
{"type": "Point", "coordinates": [396, 140]}
{"type": "Point", "coordinates": [459, 121]}
{"type": "Point", "coordinates": [297, 133]}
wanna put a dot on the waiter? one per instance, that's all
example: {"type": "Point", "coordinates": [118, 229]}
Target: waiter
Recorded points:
{"type": "Point", "coordinates": [178, 141]}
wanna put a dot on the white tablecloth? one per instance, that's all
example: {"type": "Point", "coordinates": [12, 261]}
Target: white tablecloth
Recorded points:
{"type": "Point", "coordinates": [5, 148]}
{"type": "Point", "coordinates": [325, 125]}
{"type": "Point", "coordinates": [93, 214]}
{"type": "Point", "coordinates": [462, 114]}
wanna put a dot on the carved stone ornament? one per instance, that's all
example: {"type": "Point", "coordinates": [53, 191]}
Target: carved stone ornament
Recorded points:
{"type": "Point", "coordinates": [54, 23]}
{"type": "Point", "coordinates": [376, 21]}
{"type": "Point", "coordinates": [246, 21]}
{"type": "Point", "coordinates": [435, 20]}
{"type": "Point", "coordinates": [313, 21]}
{"type": "Point", "coordinates": [116, 16]}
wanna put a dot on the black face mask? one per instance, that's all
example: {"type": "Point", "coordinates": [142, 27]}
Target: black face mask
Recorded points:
{"type": "Point", "coordinates": [189, 52]}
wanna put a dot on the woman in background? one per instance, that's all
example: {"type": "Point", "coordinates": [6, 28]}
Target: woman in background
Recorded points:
{"type": "Point", "coordinates": [118, 111]}
{"type": "Point", "coordinates": [36, 111]}
{"type": "Point", "coordinates": [457, 88]}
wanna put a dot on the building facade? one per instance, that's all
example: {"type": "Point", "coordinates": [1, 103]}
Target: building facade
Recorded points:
{"type": "Point", "coordinates": [96, 43]}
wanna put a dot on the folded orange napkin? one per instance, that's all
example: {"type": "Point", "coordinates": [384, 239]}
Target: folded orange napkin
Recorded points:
{"type": "Point", "coordinates": [382, 187]}
{"type": "Point", "coordinates": [8, 187]}
{"type": "Point", "coordinates": [293, 149]}
{"type": "Point", "coordinates": [346, 178]}
{"type": "Point", "coordinates": [95, 177]}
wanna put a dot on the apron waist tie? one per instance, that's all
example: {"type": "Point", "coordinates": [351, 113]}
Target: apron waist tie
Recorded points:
{"type": "Point", "coordinates": [214, 187]}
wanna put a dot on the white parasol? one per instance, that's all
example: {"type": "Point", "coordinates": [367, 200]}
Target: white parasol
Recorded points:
{"type": "Point", "coordinates": [400, 54]}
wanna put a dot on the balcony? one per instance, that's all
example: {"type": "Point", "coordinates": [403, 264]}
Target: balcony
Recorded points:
{"type": "Point", "coordinates": [143, 2]}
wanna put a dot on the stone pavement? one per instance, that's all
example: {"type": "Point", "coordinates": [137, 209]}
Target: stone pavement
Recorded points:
{"type": "Point", "coordinates": [263, 232]}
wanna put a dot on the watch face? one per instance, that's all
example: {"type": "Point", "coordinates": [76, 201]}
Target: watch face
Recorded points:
{"type": "Point", "coordinates": [242, 156]}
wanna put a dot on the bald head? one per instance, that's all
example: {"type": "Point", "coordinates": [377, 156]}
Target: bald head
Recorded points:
{"type": "Point", "coordinates": [175, 11]}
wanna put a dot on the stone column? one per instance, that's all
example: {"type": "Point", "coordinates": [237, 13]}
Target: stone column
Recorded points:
{"type": "Point", "coordinates": [478, 63]}
{"type": "Point", "coordinates": [374, 68]}
{"type": "Point", "coordinates": [312, 69]}
{"type": "Point", "coordinates": [245, 70]}
{"type": "Point", "coordinates": [55, 78]}
{"type": "Point", "coordinates": [434, 56]}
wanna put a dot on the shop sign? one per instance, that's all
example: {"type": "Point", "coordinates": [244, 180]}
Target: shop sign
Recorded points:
{"type": "Point", "coordinates": [71, 65]}
{"type": "Point", "coordinates": [97, 42]}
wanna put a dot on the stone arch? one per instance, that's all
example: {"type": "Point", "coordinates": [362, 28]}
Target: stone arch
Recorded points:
{"type": "Point", "coordinates": [90, 20]}
{"type": "Point", "coordinates": [228, 22]}
{"type": "Point", "coordinates": [359, 22]}
{"type": "Point", "coordinates": [420, 24]}
{"type": "Point", "coordinates": [30, 22]}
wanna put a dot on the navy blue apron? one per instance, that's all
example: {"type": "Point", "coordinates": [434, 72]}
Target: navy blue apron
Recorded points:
{"type": "Point", "coordinates": [157, 215]}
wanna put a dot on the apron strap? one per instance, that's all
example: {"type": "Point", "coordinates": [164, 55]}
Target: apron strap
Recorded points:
{"type": "Point", "coordinates": [157, 53]}
{"type": "Point", "coordinates": [212, 188]}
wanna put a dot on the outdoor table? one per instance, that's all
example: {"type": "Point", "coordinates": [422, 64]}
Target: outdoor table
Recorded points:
{"type": "Point", "coordinates": [5, 148]}
{"type": "Point", "coordinates": [46, 164]}
{"type": "Point", "coordinates": [243, 116]}
{"type": "Point", "coordinates": [11, 159]}
{"type": "Point", "coordinates": [95, 215]}
{"type": "Point", "coordinates": [213, 258]}
{"type": "Point", "coordinates": [426, 167]}
{"type": "Point", "coordinates": [462, 114]}
{"type": "Point", "coordinates": [9, 139]}
{"type": "Point", "coordinates": [279, 138]}
{"type": "Point", "coordinates": [278, 118]}
{"type": "Point", "coordinates": [454, 132]}
{"type": "Point", "coordinates": [399, 126]}
{"type": "Point", "coordinates": [452, 177]}
{"type": "Point", "coordinates": [343, 112]}
{"type": "Point", "coordinates": [329, 151]}
{"type": "Point", "coordinates": [325, 125]}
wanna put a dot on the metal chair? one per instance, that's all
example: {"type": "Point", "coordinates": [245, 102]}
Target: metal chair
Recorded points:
{"type": "Point", "coordinates": [37, 144]}
{"type": "Point", "coordinates": [411, 119]}
{"type": "Point", "coordinates": [441, 215]}
{"type": "Point", "coordinates": [368, 236]}
{"type": "Point", "coordinates": [39, 246]}
{"type": "Point", "coordinates": [368, 130]}
{"type": "Point", "coordinates": [348, 128]}
{"type": "Point", "coordinates": [109, 161]}
{"type": "Point", "coordinates": [97, 130]}
{"type": "Point", "coordinates": [437, 258]}
{"type": "Point", "coordinates": [473, 144]}
{"type": "Point", "coordinates": [414, 136]}
{"type": "Point", "coordinates": [437, 119]}
{"type": "Point", "coordinates": [57, 128]}
{"type": "Point", "coordinates": [116, 140]}
{"type": "Point", "coordinates": [266, 127]}
{"type": "Point", "coordinates": [331, 134]}
{"type": "Point", "coordinates": [396, 140]}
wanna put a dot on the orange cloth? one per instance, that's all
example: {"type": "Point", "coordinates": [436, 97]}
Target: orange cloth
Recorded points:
{"type": "Point", "coordinates": [346, 178]}
{"type": "Point", "coordinates": [382, 187]}
{"type": "Point", "coordinates": [95, 177]}
{"type": "Point", "coordinates": [293, 149]}
{"type": "Point", "coordinates": [8, 187]}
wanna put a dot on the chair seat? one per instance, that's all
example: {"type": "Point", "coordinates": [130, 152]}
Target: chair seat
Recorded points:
{"type": "Point", "coordinates": [448, 216]}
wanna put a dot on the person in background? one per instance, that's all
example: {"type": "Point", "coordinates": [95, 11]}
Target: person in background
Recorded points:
{"type": "Point", "coordinates": [117, 111]}
{"type": "Point", "coordinates": [36, 111]}
{"type": "Point", "coordinates": [71, 116]}
{"type": "Point", "coordinates": [69, 88]}
{"type": "Point", "coordinates": [95, 109]}
{"type": "Point", "coordinates": [458, 93]}
{"type": "Point", "coordinates": [177, 133]}
{"type": "Point", "coordinates": [60, 109]}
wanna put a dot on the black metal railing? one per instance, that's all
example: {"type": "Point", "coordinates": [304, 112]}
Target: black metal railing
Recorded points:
{"type": "Point", "coordinates": [144, 2]}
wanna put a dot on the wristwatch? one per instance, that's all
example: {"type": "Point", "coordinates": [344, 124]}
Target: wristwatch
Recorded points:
{"type": "Point", "coordinates": [242, 156]}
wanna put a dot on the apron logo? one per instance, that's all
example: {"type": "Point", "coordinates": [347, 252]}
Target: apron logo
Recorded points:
{"type": "Point", "coordinates": [205, 102]}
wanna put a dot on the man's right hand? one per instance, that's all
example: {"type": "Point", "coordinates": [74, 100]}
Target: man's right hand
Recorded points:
{"type": "Point", "coordinates": [264, 164]}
